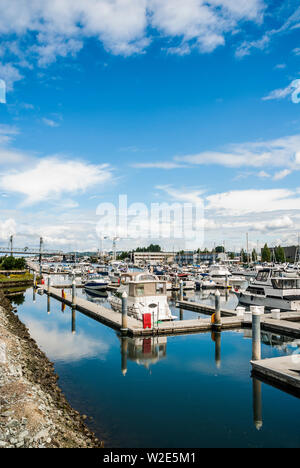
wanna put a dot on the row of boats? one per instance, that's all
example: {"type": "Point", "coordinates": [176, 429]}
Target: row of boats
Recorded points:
{"type": "Point", "coordinates": [271, 286]}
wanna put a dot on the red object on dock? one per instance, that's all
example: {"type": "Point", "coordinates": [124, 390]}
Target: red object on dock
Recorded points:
{"type": "Point", "coordinates": [147, 321]}
{"type": "Point", "coordinates": [43, 281]}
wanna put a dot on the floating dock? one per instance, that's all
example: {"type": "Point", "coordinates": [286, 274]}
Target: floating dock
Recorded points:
{"type": "Point", "coordinates": [283, 372]}
{"type": "Point", "coordinates": [135, 327]}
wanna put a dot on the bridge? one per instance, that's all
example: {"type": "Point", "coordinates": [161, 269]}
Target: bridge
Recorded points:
{"type": "Point", "coordinates": [27, 251]}
{"type": "Point", "coordinates": [11, 250]}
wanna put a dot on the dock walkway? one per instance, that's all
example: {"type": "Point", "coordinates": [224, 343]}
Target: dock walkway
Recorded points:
{"type": "Point", "coordinates": [135, 327]}
{"type": "Point", "coordinates": [284, 370]}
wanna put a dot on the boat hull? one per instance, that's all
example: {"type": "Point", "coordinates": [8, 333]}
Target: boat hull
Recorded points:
{"type": "Point", "coordinates": [268, 302]}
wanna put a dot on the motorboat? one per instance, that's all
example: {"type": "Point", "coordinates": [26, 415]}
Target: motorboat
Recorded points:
{"type": "Point", "coordinates": [223, 278]}
{"type": "Point", "coordinates": [147, 294]}
{"type": "Point", "coordinates": [96, 283]}
{"type": "Point", "coordinates": [273, 290]}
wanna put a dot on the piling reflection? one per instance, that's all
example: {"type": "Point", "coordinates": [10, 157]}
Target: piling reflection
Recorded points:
{"type": "Point", "coordinates": [257, 404]}
{"type": "Point", "coordinates": [216, 337]}
{"type": "Point", "coordinates": [144, 351]}
{"type": "Point", "coordinates": [73, 328]}
{"type": "Point", "coordinates": [48, 305]}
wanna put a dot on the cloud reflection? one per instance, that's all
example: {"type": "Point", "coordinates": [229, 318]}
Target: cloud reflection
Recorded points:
{"type": "Point", "coordinates": [64, 346]}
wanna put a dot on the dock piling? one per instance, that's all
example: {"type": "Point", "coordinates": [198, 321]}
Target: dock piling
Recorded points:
{"type": "Point", "coordinates": [74, 293]}
{"type": "Point", "coordinates": [181, 290]}
{"type": "Point", "coordinates": [124, 328]}
{"type": "Point", "coordinates": [218, 321]}
{"type": "Point", "coordinates": [256, 334]}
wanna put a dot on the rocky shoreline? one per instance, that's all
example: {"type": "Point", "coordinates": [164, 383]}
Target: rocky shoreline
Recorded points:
{"type": "Point", "coordinates": [33, 410]}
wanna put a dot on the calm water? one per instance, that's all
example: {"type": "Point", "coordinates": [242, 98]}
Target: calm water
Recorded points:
{"type": "Point", "coordinates": [185, 391]}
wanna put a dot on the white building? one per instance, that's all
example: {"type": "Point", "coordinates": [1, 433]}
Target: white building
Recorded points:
{"type": "Point", "coordinates": [152, 258]}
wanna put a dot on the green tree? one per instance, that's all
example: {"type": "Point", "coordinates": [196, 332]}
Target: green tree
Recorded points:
{"type": "Point", "coordinates": [279, 254]}
{"type": "Point", "coordinates": [254, 255]}
{"type": "Point", "coordinates": [11, 263]}
{"type": "Point", "coordinates": [266, 254]}
{"type": "Point", "coordinates": [220, 249]}
{"type": "Point", "coordinates": [244, 256]}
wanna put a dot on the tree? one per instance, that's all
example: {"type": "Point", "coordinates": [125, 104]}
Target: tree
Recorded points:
{"type": "Point", "coordinates": [244, 256]}
{"type": "Point", "coordinates": [220, 249]}
{"type": "Point", "coordinates": [254, 256]}
{"type": "Point", "coordinates": [11, 263]}
{"type": "Point", "coordinates": [232, 255]}
{"type": "Point", "coordinates": [151, 248]}
{"type": "Point", "coordinates": [266, 254]}
{"type": "Point", "coordinates": [279, 254]}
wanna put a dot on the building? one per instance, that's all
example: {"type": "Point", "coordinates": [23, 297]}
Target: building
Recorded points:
{"type": "Point", "coordinates": [152, 258]}
{"type": "Point", "coordinates": [186, 257]}
{"type": "Point", "coordinates": [292, 253]}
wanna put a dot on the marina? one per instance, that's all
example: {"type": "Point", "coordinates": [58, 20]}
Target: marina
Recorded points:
{"type": "Point", "coordinates": [89, 350]}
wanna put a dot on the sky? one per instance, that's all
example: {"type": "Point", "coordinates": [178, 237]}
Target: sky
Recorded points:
{"type": "Point", "coordinates": [162, 101]}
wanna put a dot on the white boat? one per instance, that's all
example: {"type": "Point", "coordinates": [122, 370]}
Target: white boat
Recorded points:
{"type": "Point", "coordinates": [96, 283]}
{"type": "Point", "coordinates": [272, 290]}
{"type": "Point", "coordinates": [146, 295]}
{"type": "Point", "coordinates": [222, 277]}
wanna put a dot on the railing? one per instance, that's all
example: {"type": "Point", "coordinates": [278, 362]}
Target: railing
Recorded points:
{"type": "Point", "coordinates": [28, 251]}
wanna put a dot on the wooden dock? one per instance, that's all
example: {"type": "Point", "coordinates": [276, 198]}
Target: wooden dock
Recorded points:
{"type": "Point", "coordinates": [283, 372]}
{"type": "Point", "coordinates": [204, 308]}
{"type": "Point", "coordinates": [135, 327]}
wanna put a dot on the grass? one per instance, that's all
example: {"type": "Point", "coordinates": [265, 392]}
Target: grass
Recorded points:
{"type": "Point", "coordinates": [16, 278]}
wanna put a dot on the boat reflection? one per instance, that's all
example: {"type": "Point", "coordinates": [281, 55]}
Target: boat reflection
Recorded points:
{"type": "Point", "coordinates": [144, 351]}
{"type": "Point", "coordinates": [98, 297]}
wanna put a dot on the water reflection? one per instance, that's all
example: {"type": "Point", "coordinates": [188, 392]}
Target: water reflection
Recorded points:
{"type": "Point", "coordinates": [214, 368]}
{"type": "Point", "coordinates": [216, 337]}
{"type": "Point", "coordinates": [143, 351]}
{"type": "Point", "coordinates": [61, 345]}
{"type": "Point", "coordinates": [257, 404]}
{"type": "Point", "coordinates": [73, 328]}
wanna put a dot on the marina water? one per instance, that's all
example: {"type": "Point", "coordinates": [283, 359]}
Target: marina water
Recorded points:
{"type": "Point", "coordinates": [180, 391]}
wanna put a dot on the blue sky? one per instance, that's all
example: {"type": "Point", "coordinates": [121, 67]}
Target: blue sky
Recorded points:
{"type": "Point", "coordinates": [162, 101]}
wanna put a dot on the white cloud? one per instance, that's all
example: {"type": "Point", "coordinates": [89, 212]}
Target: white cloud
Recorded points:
{"type": "Point", "coordinates": [263, 175]}
{"type": "Point", "coordinates": [282, 174]}
{"type": "Point", "coordinates": [51, 177]}
{"type": "Point", "coordinates": [7, 228]}
{"type": "Point", "coordinates": [276, 153]}
{"type": "Point", "coordinates": [292, 90]}
{"type": "Point", "coordinates": [242, 202]}
{"type": "Point", "coordinates": [288, 25]}
{"type": "Point", "coordinates": [124, 26]}
{"type": "Point", "coordinates": [50, 123]}
{"type": "Point", "coordinates": [185, 196]}
{"type": "Point", "coordinates": [10, 74]}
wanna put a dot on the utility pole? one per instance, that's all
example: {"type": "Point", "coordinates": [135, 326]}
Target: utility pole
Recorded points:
{"type": "Point", "coordinates": [248, 255]}
{"type": "Point", "coordinates": [11, 242]}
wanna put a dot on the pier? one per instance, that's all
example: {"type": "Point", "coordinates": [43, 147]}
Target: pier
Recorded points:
{"type": "Point", "coordinates": [135, 327]}
{"type": "Point", "coordinates": [283, 372]}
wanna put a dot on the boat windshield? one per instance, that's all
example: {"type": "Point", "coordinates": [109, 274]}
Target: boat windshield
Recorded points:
{"type": "Point", "coordinates": [263, 276]}
{"type": "Point", "coordinates": [287, 283]}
